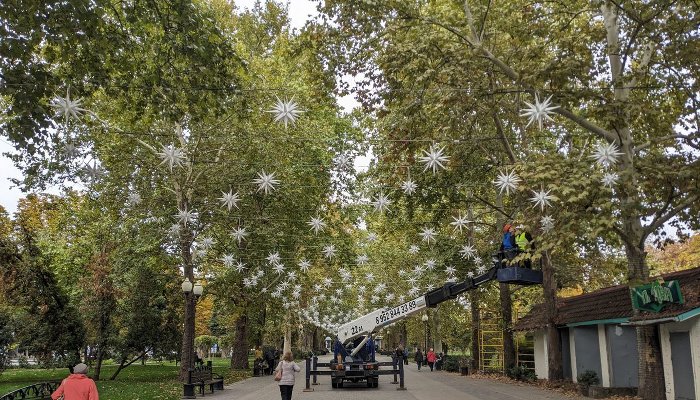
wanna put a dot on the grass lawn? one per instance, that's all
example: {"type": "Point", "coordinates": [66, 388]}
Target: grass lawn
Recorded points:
{"type": "Point", "coordinates": [137, 382]}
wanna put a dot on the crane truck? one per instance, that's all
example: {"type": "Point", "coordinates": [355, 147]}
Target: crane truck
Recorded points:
{"type": "Point", "coordinates": [353, 350]}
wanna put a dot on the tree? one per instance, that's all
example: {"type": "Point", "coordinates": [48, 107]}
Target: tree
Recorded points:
{"type": "Point", "coordinates": [602, 66]}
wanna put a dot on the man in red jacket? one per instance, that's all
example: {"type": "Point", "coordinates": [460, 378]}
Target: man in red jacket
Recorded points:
{"type": "Point", "coordinates": [77, 386]}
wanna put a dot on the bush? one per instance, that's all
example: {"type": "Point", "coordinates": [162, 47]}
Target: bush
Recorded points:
{"type": "Point", "coordinates": [23, 362]}
{"type": "Point", "coordinates": [520, 373]}
{"type": "Point", "coordinates": [451, 363]}
{"type": "Point", "coordinates": [588, 378]}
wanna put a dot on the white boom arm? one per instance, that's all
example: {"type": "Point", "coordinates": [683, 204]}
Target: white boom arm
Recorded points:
{"type": "Point", "coordinates": [377, 319]}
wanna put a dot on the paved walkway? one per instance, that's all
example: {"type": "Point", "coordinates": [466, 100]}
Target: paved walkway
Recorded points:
{"type": "Point", "coordinates": [423, 385]}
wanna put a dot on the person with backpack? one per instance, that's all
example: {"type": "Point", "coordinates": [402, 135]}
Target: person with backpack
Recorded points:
{"type": "Point", "coordinates": [285, 375]}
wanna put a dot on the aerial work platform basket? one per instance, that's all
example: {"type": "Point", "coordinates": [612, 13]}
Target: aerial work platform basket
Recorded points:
{"type": "Point", "coordinates": [519, 276]}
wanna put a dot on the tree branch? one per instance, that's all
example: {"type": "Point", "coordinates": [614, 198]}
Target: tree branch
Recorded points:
{"type": "Point", "coordinates": [662, 219]}
{"type": "Point", "coordinates": [494, 207]}
{"type": "Point", "coordinates": [512, 74]}
{"type": "Point", "coordinates": [665, 138]}
{"type": "Point", "coordinates": [504, 139]}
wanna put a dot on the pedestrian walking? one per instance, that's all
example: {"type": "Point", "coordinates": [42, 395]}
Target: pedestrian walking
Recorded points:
{"type": "Point", "coordinates": [431, 358]}
{"type": "Point", "coordinates": [284, 374]}
{"type": "Point", "coordinates": [77, 386]}
{"type": "Point", "coordinates": [405, 356]}
{"type": "Point", "coordinates": [419, 358]}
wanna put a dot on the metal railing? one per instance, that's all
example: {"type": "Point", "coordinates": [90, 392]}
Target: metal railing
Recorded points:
{"type": "Point", "coordinates": [41, 390]}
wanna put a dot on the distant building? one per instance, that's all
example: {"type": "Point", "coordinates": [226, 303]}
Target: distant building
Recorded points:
{"type": "Point", "coordinates": [597, 332]}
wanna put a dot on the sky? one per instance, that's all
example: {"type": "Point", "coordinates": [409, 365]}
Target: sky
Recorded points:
{"type": "Point", "coordinates": [299, 12]}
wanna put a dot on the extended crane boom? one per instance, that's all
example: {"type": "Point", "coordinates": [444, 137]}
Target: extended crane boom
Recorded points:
{"type": "Point", "coordinates": [354, 358]}
{"type": "Point", "coordinates": [371, 323]}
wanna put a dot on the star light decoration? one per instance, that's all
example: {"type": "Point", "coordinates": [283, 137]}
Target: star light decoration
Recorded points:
{"type": "Point", "coordinates": [239, 233]}
{"type": "Point", "coordinates": [430, 264]}
{"type": "Point", "coordinates": [329, 251]}
{"type": "Point", "coordinates": [606, 154]}
{"type": "Point", "coordinates": [266, 182]}
{"type": "Point", "coordinates": [279, 268]}
{"type": "Point", "coordinates": [460, 222]}
{"type": "Point", "coordinates": [467, 251]}
{"type": "Point", "coordinates": [70, 150]}
{"type": "Point", "coordinates": [206, 243]}
{"type": "Point", "coordinates": [304, 265]}
{"type": "Point", "coordinates": [94, 172]}
{"type": "Point", "coordinates": [134, 199]}
{"type": "Point", "coordinates": [229, 200]}
{"type": "Point", "coordinates": [450, 270]}
{"type": "Point", "coordinates": [541, 198]}
{"type": "Point", "coordinates": [184, 216]}
{"type": "Point", "coordinates": [240, 267]}
{"type": "Point", "coordinates": [428, 234]}
{"type": "Point", "coordinates": [286, 111]}
{"type": "Point", "coordinates": [228, 260]}
{"type": "Point", "coordinates": [273, 258]}
{"type": "Point", "coordinates": [413, 249]}
{"type": "Point", "coordinates": [174, 230]}
{"type": "Point", "coordinates": [369, 277]}
{"type": "Point", "coordinates": [372, 237]}
{"type": "Point", "coordinates": [317, 224]}
{"type": "Point", "coordinates": [381, 203]}
{"type": "Point", "coordinates": [409, 186]}
{"type": "Point", "coordinates": [507, 181]}
{"type": "Point", "coordinates": [343, 161]}
{"type": "Point", "coordinates": [345, 275]}
{"type": "Point", "coordinates": [362, 259]}
{"type": "Point", "coordinates": [610, 179]}
{"type": "Point", "coordinates": [547, 223]}
{"type": "Point", "coordinates": [171, 156]}
{"type": "Point", "coordinates": [539, 111]}
{"type": "Point", "coordinates": [434, 158]}
{"type": "Point", "coordinates": [67, 107]}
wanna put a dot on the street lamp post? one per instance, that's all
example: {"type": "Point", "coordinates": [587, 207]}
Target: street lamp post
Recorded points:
{"type": "Point", "coordinates": [192, 292]}
{"type": "Point", "coordinates": [424, 318]}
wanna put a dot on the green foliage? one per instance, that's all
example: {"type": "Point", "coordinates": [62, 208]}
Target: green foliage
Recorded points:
{"type": "Point", "coordinates": [588, 378]}
{"type": "Point", "coordinates": [452, 363]}
{"type": "Point", "coordinates": [521, 373]}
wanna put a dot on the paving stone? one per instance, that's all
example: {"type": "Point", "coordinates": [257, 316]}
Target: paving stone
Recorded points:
{"type": "Point", "coordinates": [421, 385]}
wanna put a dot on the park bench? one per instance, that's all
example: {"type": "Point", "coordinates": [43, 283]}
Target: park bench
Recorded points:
{"type": "Point", "coordinates": [203, 376]}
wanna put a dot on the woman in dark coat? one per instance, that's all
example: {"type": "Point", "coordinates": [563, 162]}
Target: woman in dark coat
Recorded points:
{"type": "Point", "coordinates": [419, 358]}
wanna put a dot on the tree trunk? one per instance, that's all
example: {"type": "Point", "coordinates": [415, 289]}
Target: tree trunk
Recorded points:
{"type": "Point", "coordinates": [651, 374]}
{"type": "Point", "coordinates": [438, 335]}
{"type": "Point", "coordinates": [123, 364]}
{"type": "Point", "coordinates": [476, 320]}
{"type": "Point", "coordinates": [98, 363]}
{"type": "Point", "coordinates": [287, 344]}
{"type": "Point", "coordinates": [507, 317]}
{"type": "Point", "coordinates": [651, 371]}
{"type": "Point", "coordinates": [549, 284]}
{"type": "Point", "coordinates": [239, 356]}
{"type": "Point", "coordinates": [187, 352]}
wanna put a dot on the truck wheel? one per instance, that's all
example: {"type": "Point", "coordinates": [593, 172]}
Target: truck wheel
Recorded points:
{"type": "Point", "coordinates": [340, 384]}
{"type": "Point", "coordinates": [369, 383]}
{"type": "Point", "coordinates": [334, 384]}
{"type": "Point", "coordinates": [375, 382]}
